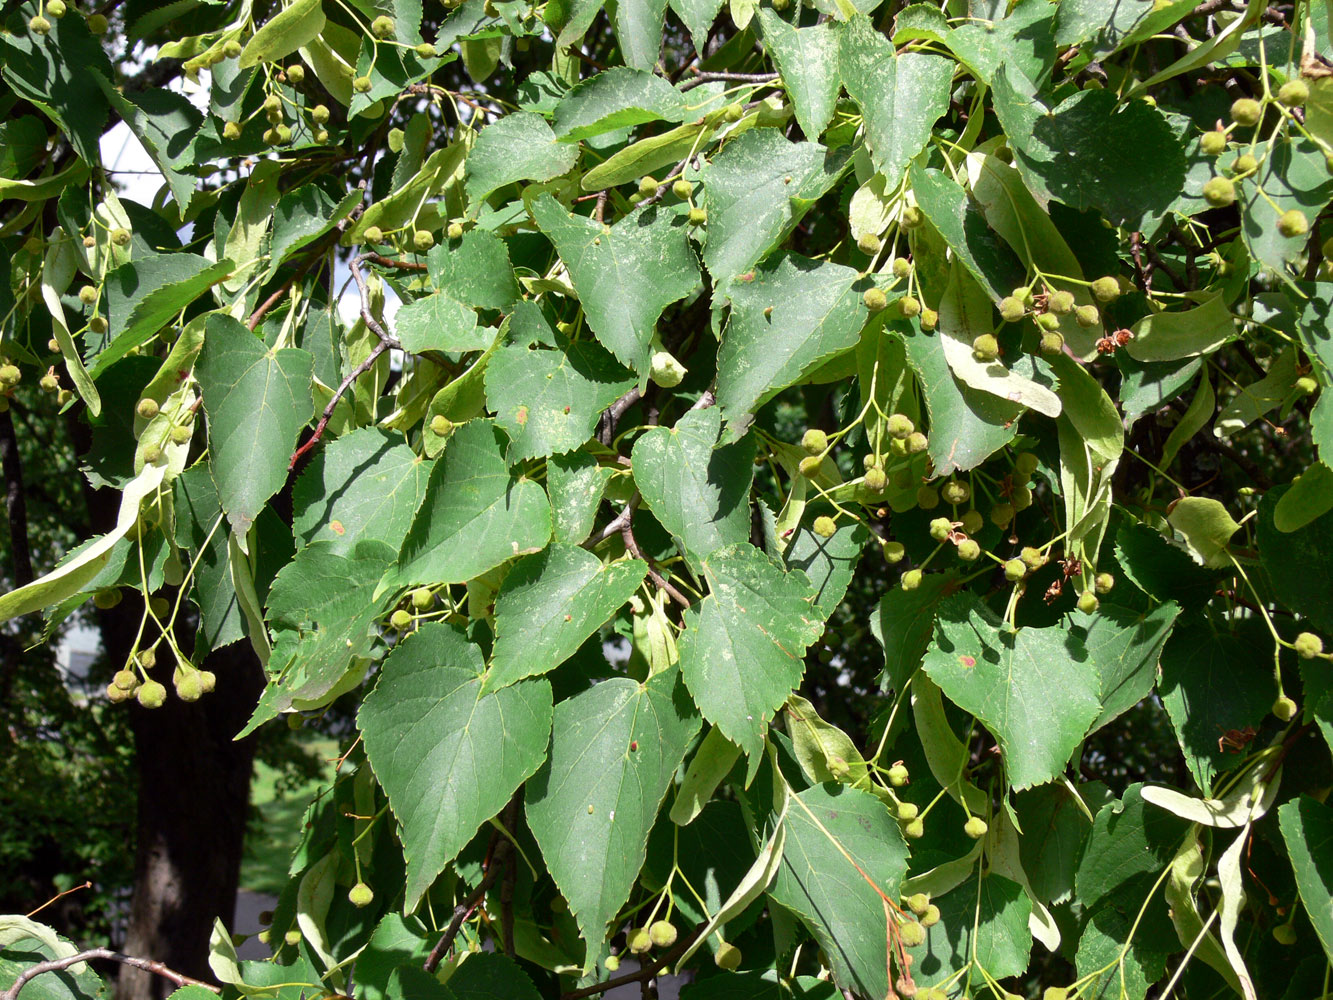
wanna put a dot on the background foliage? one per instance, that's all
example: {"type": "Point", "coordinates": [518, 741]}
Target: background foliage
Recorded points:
{"type": "Point", "coordinates": [816, 497]}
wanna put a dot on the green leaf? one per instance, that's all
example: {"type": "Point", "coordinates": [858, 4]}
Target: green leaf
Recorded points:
{"type": "Point", "coordinates": [439, 322]}
{"type": "Point", "coordinates": [283, 34]}
{"type": "Point", "coordinates": [963, 225]}
{"type": "Point", "coordinates": [903, 623]}
{"type": "Point", "coordinates": [698, 16]}
{"type": "Point", "coordinates": [549, 401]}
{"type": "Point", "coordinates": [985, 919]}
{"type": "Point", "coordinates": [474, 270]}
{"type": "Point", "coordinates": [1291, 177]}
{"type": "Point", "coordinates": [786, 320]}
{"type": "Point", "coordinates": [575, 483]}
{"type": "Point", "coordinates": [696, 490]}
{"type": "Point", "coordinates": [646, 155]}
{"type": "Point", "coordinates": [447, 755]}
{"type": "Point", "coordinates": [1107, 30]}
{"type": "Point", "coordinates": [1299, 563]}
{"type": "Point", "coordinates": [900, 96]}
{"type": "Point", "coordinates": [1169, 336]}
{"type": "Point", "coordinates": [166, 123]}
{"type": "Point", "coordinates": [1148, 386]}
{"type": "Point", "coordinates": [517, 147]}
{"type": "Point", "coordinates": [1119, 958]}
{"type": "Point", "coordinates": [1123, 646]}
{"type": "Point", "coordinates": [638, 27]}
{"type": "Point", "coordinates": [832, 831]}
{"type": "Point", "coordinates": [1212, 682]}
{"type": "Point", "coordinates": [1034, 688]}
{"type": "Point", "coordinates": [1054, 828]}
{"type": "Point", "coordinates": [1160, 569]}
{"type": "Point", "coordinates": [1089, 151]}
{"type": "Point", "coordinates": [614, 749]}
{"type": "Point", "coordinates": [966, 426]}
{"type": "Point", "coordinates": [549, 603]}
{"type": "Point", "coordinates": [1307, 829]}
{"type": "Point", "coordinates": [1207, 529]}
{"type": "Point", "coordinates": [615, 99]}
{"type": "Point", "coordinates": [1024, 38]}
{"type": "Point", "coordinates": [828, 563]}
{"type": "Point", "coordinates": [476, 514]}
{"type": "Point", "coordinates": [24, 943]}
{"type": "Point", "coordinates": [322, 609]}
{"type": "Point", "coordinates": [742, 647]}
{"type": "Point", "coordinates": [491, 976]}
{"type": "Point", "coordinates": [625, 274]}
{"type": "Point", "coordinates": [1310, 497]}
{"type": "Point", "coordinates": [807, 59]}
{"type": "Point", "coordinates": [144, 295]}
{"type": "Point", "coordinates": [303, 216]}
{"type": "Point", "coordinates": [756, 190]}
{"type": "Point", "coordinates": [257, 401]}
{"type": "Point", "coordinates": [1129, 838]}
{"type": "Point", "coordinates": [53, 74]}
{"type": "Point", "coordinates": [365, 485]}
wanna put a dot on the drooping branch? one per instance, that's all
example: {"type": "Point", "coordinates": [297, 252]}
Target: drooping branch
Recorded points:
{"type": "Point", "coordinates": [59, 964]}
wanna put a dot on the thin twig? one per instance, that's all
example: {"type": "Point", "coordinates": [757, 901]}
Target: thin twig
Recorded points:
{"type": "Point", "coordinates": [59, 964]}
{"type": "Point", "coordinates": [386, 341]}
{"type": "Point", "coordinates": [465, 908]}
{"type": "Point", "coordinates": [632, 546]}
{"type": "Point", "coordinates": [702, 78]}
{"type": "Point", "coordinates": [638, 975]}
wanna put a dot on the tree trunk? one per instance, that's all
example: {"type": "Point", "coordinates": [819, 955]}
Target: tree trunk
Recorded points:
{"type": "Point", "coordinates": [194, 794]}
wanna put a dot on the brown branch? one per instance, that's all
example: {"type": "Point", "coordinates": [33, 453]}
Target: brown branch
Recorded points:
{"type": "Point", "coordinates": [632, 546]}
{"type": "Point", "coordinates": [499, 852]}
{"type": "Point", "coordinates": [386, 341]}
{"type": "Point", "coordinates": [59, 964]}
{"type": "Point", "coordinates": [638, 975]}
{"type": "Point", "coordinates": [708, 77]}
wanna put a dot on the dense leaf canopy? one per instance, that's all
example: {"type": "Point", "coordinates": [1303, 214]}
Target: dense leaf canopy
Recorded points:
{"type": "Point", "coordinates": [828, 498]}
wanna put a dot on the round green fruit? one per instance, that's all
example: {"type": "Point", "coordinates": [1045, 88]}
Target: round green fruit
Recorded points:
{"type": "Point", "coordinates": [362, 85]}
{"type": "Point", "coordinates": [1032, 558]}
{"type": "Point", "coordinates": [912, 933]}
{"type": "Point", "coordinates": [10, 375]}
{"type": "Point", "coordinates": [97, 325]}
{"type": "Point", "coordinates": [912, 217]}
{"type": "Point", "coordinates": [869, 244]}
{"type": "Point", "coordinates": [401, 619]}
{"type": "Point", "coordinates": [1244, 165]}
{"type": "Point", "coordinates": [973, 521]}
{"type": "Point", "coordinates": [382, 26]}
{"type": "Point", "coordinates": [648, 186]}
{"type": "Point", "coordinates": [931, 916]}
{"type": "Point", "coordinates": [1308, 645]}
{"type": "Point", "coordinates": [927, 498]}
{"type": "Point", "coordinates": [1293, 223]}
{"type": "Point", "coordinates": [39, 25]}
{"type": "Point", "coordinates": [910, 305]}
{"type": "Point", "coordinates": [1220, 192]}
{"type": "Point", "coordinates": [423, 599]}
{"type": "Point", "coordinates": [147, 408]}
{"type": "Point", "coordinates": [940, 528]}
{"type": "Point", "coordinates": [900, 426]}
{"type": "Point", "coordinates": [893, 552]}
{"type": "Point", "coordinates": [663, 933]}
{"type": "Point", "coordinates": [727, 957]}
{"type": "Point", "coordinates": [1103, 582]}
{"type": "Point", "coordinates": [682, 189]}
{"type": "Point", "coordinates": [612, 963]}
{"type": "Point", "coordinates": [1015, 570]}
{"type": "Point", "coordinates": [1246, 111]}
{"type": "Point", "coordinates": [897, 775]}
{"type": "Point", "coordinates": [1106, 289]}
{"type": "Point", "coordinates": [975, 827]}
{"type": "Point", "coordinates": [231, 131]}
{"type": "Point", "coordinates": [319, 114]}
{"type": "Point", "coordinates": [814, 441]}
{"type": "Point", "coordinates": [1001, 514]}
{"type": "Point", "coordinates": [697, 216]}
{"type": "Point", "coordinates": [88, 294]}
{"type": "Point", "coordinates": [825, 527]}
{"type": "Point", "coordinates": [1086, 316]}
{"type": "Point", "coordinates": [151, 694]}
{"type": "Point", "coordinates": [423, 240]}
{"type": "Point", "coordinates": [915, 830]}
{"type": "Point", "coordinates": [1284, 934]}
{"type": "Point", "coordinates": [640, 941]}
{"type": "Point", "coordinates": [917, 902]}
{"type": "Point", "coordinates": [373, 234]}
{"type": "Point", "coordinates": [121, 237]}
{"type": "Point", "coordinates": [929, 318]}
{"type": "Point", "coordinates": [97, 24]}
{"type": "Point", "coordinates": [986, 348]}
{"type": "Point", "coordinates": [190, 687]}
{"type": "Point", "coordinates": [1052, 342]}
{"type": "Point", "coordinates": [106, 599]}
{"type": "Point", "coordinates": [875, 299]}
{"type": "Point", "coordinates": [1047, 321]}
{"type": "Point", "coordinates": [1087, 602]}
{"type": "Point", "coordinates": [126, 680]}
{"type": "Point", "coordinates": [360, 895]}
{"type": "Point", "coordinates": [876, 480]}
{"type": "Point", "coordinates": [911, 579]}
{"type": "Point", "coordinates": [1292, 94]}
{"type": "Point", "coordinates": [1285, 709]}
{"type": "Point", "coordinates": [969, 550]}
{"type": "Point", "coordinates": [1061, 303]}
{"type": "Point", "coordinates": [48, 383]}
{"type": "Point", "coordinates": [1213, 142]}
{"type": "Point", "coordinates": [295, 74]}
{"type": "Point", "coordinates": [1011, 310]}
{"type": "Point", "coordinates": [901, 267]}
